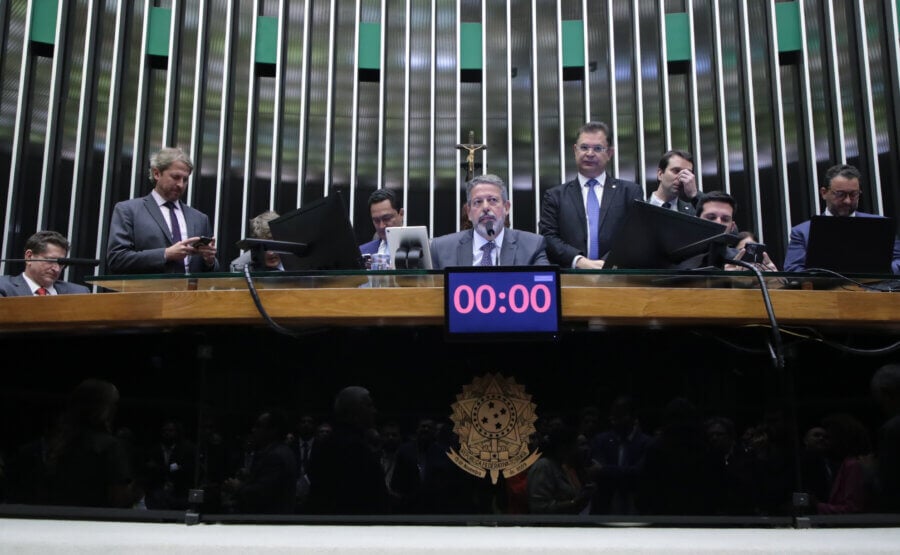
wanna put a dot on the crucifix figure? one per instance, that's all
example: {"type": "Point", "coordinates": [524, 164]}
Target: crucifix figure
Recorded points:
{"type": "Point", "coordinates": [471, 147]}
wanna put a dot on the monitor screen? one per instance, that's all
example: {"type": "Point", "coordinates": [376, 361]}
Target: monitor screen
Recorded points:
{"type": "Point", "coordinates": [652, 237]}
{"type": "Point", "coordinates": [325, 229]}
{"type": "Point", "coordinates": [501, 303]}
{"type": "Point", "coordinates": [857, 245]}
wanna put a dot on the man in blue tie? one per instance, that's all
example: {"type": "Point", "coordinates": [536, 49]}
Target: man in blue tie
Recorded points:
{"type": "Point", "coordinates": [489, 242]}
{"type": "Point", "coordinates": [580, 218]}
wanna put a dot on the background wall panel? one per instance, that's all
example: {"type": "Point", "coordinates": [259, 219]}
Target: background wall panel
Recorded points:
{"type": "Point", "coordinates": [280, 136]}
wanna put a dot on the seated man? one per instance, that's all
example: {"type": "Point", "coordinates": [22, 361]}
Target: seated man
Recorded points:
{"type": "Point", "coordinates": [489, 242]}
{"type": "Point", "coordinates": [385, 210]}
{"type": "Point", "coordinates": [259, 229]}
{"type": "Point", "coordinates": [720, 207]}
{"type": "Point", "coordinates": [41, 276]}
{"type": "Point", "coordinates": [841, 195]}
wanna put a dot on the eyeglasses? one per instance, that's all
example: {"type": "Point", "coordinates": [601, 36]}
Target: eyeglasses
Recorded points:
{"type": "Point", "coordinates": [598, 149]}
{"type": "Point", "coordinates": [479, 202]}
{"type": "Point", "coordinates": [841, 195]}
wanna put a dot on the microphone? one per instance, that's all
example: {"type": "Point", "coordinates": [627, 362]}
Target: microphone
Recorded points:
{"type": "Point", "coordinates": [60, 261]}
{"type": "Point", "coordinates": [489, 229]}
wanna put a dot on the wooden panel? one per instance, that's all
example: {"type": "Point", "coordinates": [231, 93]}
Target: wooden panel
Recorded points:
{"type": "Point", "coordinates": [402, 306]}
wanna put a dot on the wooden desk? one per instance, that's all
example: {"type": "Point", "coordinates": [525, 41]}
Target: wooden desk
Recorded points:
{"type": "Point", "coordinates": [340, 302]}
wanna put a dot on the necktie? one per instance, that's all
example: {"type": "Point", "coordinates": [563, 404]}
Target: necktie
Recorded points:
{"type": "Point", "coordinates": [176, 229]}
{"type": "Point", "coordinates": [593, 212]}
{"type": "Point", "coordinates": [667, 205]}
{"type": "Point", "coordinates": [488, 248]}
{"type": "Point", "coordinates": [41, 291]}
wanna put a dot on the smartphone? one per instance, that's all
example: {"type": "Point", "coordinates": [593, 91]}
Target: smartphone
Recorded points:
{"type": "Point", "coordinates": [203, 241]}
{"type": "Point", "coordinates": [753, 252]}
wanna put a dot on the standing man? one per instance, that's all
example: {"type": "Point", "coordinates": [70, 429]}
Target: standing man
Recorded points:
{"type": "Point", "coordinates": [675, 174]}
{"type": "Point", "coordinates": [580, 218]}
{"type": "Point", "coordinates": [158, 233]}
{"type": "Point", "coordinates": [841, 195]}
{"type": "Point", "coordinates": [385, 209]}
{"type": "Point", "coordinates": [41, 276]}
{"type": "Point", "coordinates": [489, 242]}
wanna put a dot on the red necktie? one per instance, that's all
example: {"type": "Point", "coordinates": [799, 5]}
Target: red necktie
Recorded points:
{"type": "Point", "coordinates": [41, 291]}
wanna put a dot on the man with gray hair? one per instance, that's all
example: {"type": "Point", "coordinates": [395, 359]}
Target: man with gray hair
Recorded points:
{"type": "Point", "coordinates": [489, 242]}
{"type": "Point", "coordinates": [158, 233]}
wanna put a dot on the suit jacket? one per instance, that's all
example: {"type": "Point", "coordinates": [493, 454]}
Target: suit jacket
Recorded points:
{"type": "Point", "coordinates": [795, 258]}
{"type": "Point", "coordinates": [139, 235]}
{"type": "Point", "coordinates": [684, 206]}
{"type": "Point", "coordinates": [16, 286]}
{"type": "Point", "coordinates": [371, 247]}
{"type": "Point", "coordinates": [564, 224]}
{"type": "Point", "coordinates": [520, 248]}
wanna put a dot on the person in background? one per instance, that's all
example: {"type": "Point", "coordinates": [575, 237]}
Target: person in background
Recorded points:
{"type": "Point", "coordinates": [41, 277]}
{"type": "Point", "coordinates": [885, 387]}
{"type": "Point", "coordinates": [569, 211]}
{"type": "Point", "coordinates": [720, 207]}
{"type": "Point", "coordinates": [386, 211]}
{"type": "Point", "coordinates": [158, 233]}
{"type": "Point", "coordinates": [259, 229]}
{"type": "Point", "coordinates": [489, 242]}
{"type": "Point", "coordinates": [87, 465]}
{"type": "Point", "coordinates": [675, 174]}
{"type": "Point", "coordinates": [841, 194]}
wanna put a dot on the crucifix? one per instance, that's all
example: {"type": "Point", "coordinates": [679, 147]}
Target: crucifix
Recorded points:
{"type": "Point", "coordinates": [471, 147]}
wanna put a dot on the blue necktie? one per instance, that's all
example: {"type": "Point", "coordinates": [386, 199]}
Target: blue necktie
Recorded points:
{"type": "Point", "coordinates": [486, 259]}
{"type": "Point", "coordinates": [593, 212]}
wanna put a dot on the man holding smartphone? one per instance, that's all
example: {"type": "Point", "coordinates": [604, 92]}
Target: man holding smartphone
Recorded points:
{"type": "Point", "coordinates": [158, 233]}
{"type": "Point", "coordinates": [720, 207]}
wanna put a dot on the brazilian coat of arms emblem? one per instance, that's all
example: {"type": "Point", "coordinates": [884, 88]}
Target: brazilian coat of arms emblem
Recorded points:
{"type": "Point", "coordinates": [493, 418]}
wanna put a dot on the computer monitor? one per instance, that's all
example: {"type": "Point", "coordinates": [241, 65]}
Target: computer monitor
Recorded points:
{"type": "Point", "coordinates": [409, 247]}
{"type": "Point", "coordinates": [858, 245]}
{"type": "Point", "coordinates": [652, 237]}
{"type": "Point", "coordinates": [323, 226]}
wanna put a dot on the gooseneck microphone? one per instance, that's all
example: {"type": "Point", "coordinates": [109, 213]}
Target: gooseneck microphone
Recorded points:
{"type": "Point", "coordinates": [489, 229]}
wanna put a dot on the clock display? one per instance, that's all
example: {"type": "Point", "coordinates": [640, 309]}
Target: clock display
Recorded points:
{"type": "Point", "coordinates": [502, 302]}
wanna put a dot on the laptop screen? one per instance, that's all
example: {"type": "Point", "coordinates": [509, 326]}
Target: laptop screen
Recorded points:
{"type": "Point", "coordinates": [858, 245]}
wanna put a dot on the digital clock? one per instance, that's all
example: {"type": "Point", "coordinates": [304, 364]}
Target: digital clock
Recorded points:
{"type": "Point", "coordinates": [501, 303]}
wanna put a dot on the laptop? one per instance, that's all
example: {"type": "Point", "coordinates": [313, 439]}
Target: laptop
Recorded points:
{"type": "Point", "coordinates": [858, 245]}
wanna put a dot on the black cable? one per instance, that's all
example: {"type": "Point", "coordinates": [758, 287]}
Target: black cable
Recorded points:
{"type": "Point", "coordinates": [776, 349]}
{"type": "Point", "coordinates": [883, 289]}
{"type": "Point", "coordinates": [259, 307]}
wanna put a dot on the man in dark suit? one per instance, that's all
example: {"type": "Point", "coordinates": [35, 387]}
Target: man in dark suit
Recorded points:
{"type": "Point", "coordinates": [386, 211]}
{"type": "Point", "coordinates": [142, 238]}
{"type": "Point", "coordinates": [572, 240]}
{"type": "Point", "coordinates": [489, 242]}
{"type": "Point", "coordinates": [41, 277]}
{"type": "Point", "coordinates": [841, 195]}
{"type": "Point", "coordinates": [677, 189]}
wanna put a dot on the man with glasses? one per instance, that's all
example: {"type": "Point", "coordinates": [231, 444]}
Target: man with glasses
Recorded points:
{"type": "Point", "coordinates": [841, 194]}
{"type": "Point", "coordinates": [41, 275]}
{"type": "Point", "coordinates": [489, 242]}
{"type": "Point", "coordinates": [580, 218]}
{"type": "Point", "coordinates": [384, 207]}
